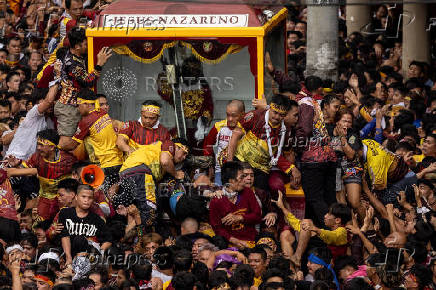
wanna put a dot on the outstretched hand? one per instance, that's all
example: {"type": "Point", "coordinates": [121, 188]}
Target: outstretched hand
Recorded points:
{"type": "Point", "coordinates": [279, 201]}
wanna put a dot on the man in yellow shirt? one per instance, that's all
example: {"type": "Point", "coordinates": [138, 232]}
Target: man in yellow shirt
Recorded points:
{"type": "Point", "coordinates": [143, 169]}
{"type": "Point", "coordinates": [336, 237]}
{"type": "Point", "coordinates": [97, 124]}
{"type": "Point", "coordinates": [388, 172]}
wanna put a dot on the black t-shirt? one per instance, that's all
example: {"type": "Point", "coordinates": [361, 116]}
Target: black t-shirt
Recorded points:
{"type": "Point", "coordinates": [92, 226]}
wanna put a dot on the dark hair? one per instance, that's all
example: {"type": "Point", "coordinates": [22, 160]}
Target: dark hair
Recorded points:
{"type": "Point", "coordinates": [68, 3]}
{"type": "Point", "coordinates": [422, 274]}
{"type": "Point", "coordinates": [293, 103]}
{"type": "Point", "coordinates": [43, 271]}
{"type": "Point", "coordinates": [102, 271]}
{"type": "Point", "coordinates": [69, 184]}
{"type": "Point", "coordinates": [30, 238]}
{"type": "Point", "coordinates": [79, 165]}
{"type": "Point", "coordinates": [319, 285]}
{"type": "Point", "coordinates": [27, 71]}
{"type": "Point", "coordinates": [345, 261]}
{"type": "Point", "coordinates": [328, 99]}
{"type": "Point", "coordinates": [259, 250]}
{"type": "Point", "coordinates": [82, 283]}
{"type": "Point", "coordinates": [282, 263]}
{"type": "Point", "coordinates": [342, 211]}
{"type": "Point", "coordinates": [164, 258]}
{"type": "Point", "coordinates": [11, 74]}
{"type": "Point", "coordinates": [324, 274]}
{"type": "Point", "coordinates": [342, 112]}
{"type": "Point", "coordinates": [184, 281]}
{"type": "Point", "coordinates": [63, 286]}
{"type": "Point", "coordinates": [418, 106]}
{"type": "Point", "coordinates": [400, 88]}
{"type": "Point", "coordinates": [76, 36]}
{"type": "Point", "coordinates": [418, 64]}
{"type": "Point", "coordinates": [230, 171]}
{"type": "Point", "coordinates": [61, 52]}
{"type": "Point", "coordinates": [312, 83]}
{"type": "Point", "coordinates": [117, 229]}
{"type": "Point", "coordinates": [184, 242]}
{"type": "Point", "coordinates": [273, 272]}
{"type": "Point", "coordinates": [405, 145]}
{"type": "Point", "coordinates": [18, 116]}
{"type": "Point", "coordinates": [245, 165]}
{"type": "Point", "coordinates": [181, 141]}
{"type": "Point", "coordinates": [220, 242]}
{"type": "Point", "coordinates": [39, 94]}
{"type": "Point", "coordinates": [404, 117]}
{"type": "Point", "coordinates": [182, 261]}
{"type": "Point", "coordinates": [4, 68]}
{"type": "Point", "coordinates": [141, 269]}
{"type": "Point", "coordinates": [289, 86]}
{"type": "Point", "coordinates": [323, 253]}
{"type": "Point", "coordinates": [282, 101]}
{"type": "Point", "coordinates": [409, 130]}
{"type": "Point", "coordinates": [357, 284]}
{"type": "Point", "coordinates": [298, 33]}
{"type": "Point", "coordinates": [424, 231]}
{"type": "Point", "coordinates": [151, 103]}
{"type": "Point", "coordinates": [417, 248]}
{"type": "Point", "coordinates": [13, 38]}
{"type": "Point", "coordinates": [413, 83]}
{"type": "Point", "coordinates": [5, 103]}
{"type": "Point", "coordinates": [243, 275]}
{"type": "Point", "coordinates": [101, 96]}
{"type": "Point", "coordinates": [87, 94]}
{"type": "Point", "coordinates": [425, 182]}
{"type": "Point", "coordinates": [217, 278]}
{"type": "Point", "coordinates": [201, 271]}
{"type": "Point", "coordinates": [49, 134]}
{"type": "Point", "coordinates": [82, 187]}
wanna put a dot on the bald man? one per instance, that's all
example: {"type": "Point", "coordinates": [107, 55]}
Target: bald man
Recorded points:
{"type": "Point", "coordinates": [219, 136]}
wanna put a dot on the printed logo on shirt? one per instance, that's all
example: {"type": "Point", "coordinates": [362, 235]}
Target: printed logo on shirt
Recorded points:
{"type": "Point", "coordinates": [79, 229]}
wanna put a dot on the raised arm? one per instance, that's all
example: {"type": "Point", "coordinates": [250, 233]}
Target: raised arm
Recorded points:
{"type": "Point", "coordinates": [233, 143]}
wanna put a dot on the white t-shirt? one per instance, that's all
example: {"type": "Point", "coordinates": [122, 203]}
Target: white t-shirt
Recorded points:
{"type": "Point", "coordinates": [5, 147]}
{"type": "Point", "coordinates": [24, 143]}
{"type": "Point", "coordinates": [165, 278]}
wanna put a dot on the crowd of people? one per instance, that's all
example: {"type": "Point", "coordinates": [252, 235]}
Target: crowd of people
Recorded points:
{"type": "Point", "coordinates": [91, 202]}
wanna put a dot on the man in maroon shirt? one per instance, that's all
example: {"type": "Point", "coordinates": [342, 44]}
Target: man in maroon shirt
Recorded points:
{"type": "Point", "coordinates": [235, 215]}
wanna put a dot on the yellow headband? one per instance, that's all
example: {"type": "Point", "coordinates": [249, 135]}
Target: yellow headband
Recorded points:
{"type": "Point", "coordinates": [45, 142]}
{"type": "Point", "coordinates": [151, 109]}
{"type": "Point", "coordinates": [83, 101]}
{"type": "Point", "coordinates": [327, 90]}
{"type": "Point", "coordinates": [183, 147]}
{"type": "Point", "coordinates": [277, 109]}
{"type": "Point", "coordinates": [265, 241]}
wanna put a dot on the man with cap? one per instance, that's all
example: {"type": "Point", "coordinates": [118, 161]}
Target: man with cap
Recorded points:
{"type": "Point", "coordinates": [144, 168]}
{"type": "Point", "coordinates": [145, 131]}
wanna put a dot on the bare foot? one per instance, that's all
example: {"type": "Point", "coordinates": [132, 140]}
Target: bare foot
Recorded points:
{"type": "Point", "coordinates": [296, 260]}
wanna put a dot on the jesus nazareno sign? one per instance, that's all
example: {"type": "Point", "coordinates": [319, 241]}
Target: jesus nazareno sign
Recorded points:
{"type": "Point", "coordinates": [134, 21]}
